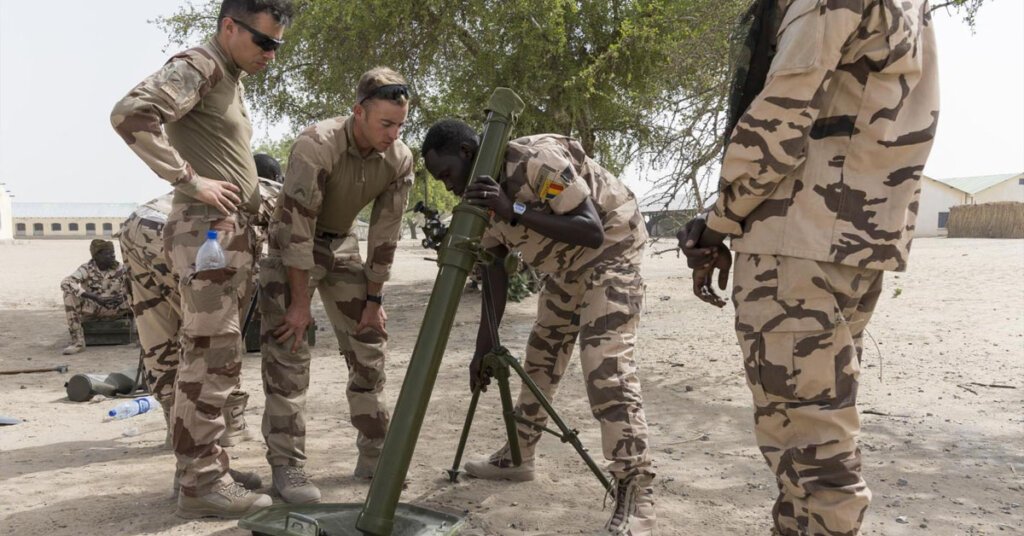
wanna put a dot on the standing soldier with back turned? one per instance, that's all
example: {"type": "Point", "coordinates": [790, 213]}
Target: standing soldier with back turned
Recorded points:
{"type": "Point", "coordinates": [336, 168]}
{"type": "Point", "coordinates": [189, 123]}
{"type": "Point", "coordinates": [819, 193]}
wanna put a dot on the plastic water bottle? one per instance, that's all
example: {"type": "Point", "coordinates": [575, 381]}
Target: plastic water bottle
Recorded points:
{"type": "Point", "coordinates": [132, 408]}
{"type": "Point", "coordinates": [210, 256]}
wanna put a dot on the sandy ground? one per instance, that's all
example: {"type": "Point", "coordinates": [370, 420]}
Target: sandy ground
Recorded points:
{"type": "Point", "coordinates": [944, 454]}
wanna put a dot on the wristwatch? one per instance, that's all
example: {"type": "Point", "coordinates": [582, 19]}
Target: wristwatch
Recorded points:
{"type": "Point", "coordinates": [375, 298]}
{"type": "Point", "coordinates": [518, 209]}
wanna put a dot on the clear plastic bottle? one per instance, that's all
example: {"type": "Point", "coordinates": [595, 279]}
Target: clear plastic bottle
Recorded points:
{"type": "Point", "coordinates": [131, 408]}
{"type": "Point", "coordinates": [210, 256]}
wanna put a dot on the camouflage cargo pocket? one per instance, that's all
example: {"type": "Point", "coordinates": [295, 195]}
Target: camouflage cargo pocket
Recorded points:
{"type": "Point", "coordinates": [210, 303]}
{"type": "Point", "coordinates": [800, 39]}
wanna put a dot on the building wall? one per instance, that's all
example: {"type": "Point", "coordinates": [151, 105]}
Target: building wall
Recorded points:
{"type": "Point", "coordinates": [1008, 190]}
{"type": "Point", "coordinates": [6, 219]}
{"type": "Point", "coordinates": [27, 227]}
{"type": "Point", "coordinates": [936, 198]}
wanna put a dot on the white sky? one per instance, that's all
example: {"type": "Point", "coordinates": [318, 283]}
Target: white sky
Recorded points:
{"type": "Point", "coordinates": [64, 64]}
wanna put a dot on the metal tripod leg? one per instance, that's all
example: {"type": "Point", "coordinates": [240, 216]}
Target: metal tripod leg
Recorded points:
{"type": "Point", "coordinates": [568, 435]}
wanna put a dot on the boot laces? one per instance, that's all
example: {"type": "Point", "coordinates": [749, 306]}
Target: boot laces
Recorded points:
{"type": "Point", "coordinates": [234, 489]}
{"type": "Point", "coordinates": [625, 492]}
{"type": "Point", "coordinates": [296, 476]}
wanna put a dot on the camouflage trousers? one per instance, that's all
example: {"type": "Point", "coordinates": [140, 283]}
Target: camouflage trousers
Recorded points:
{"type": "Point", "coordinates": [78, 309]}
{"type": "Point", "coordinates": [155, 302]}
{"type": "Point", "coordinates": [800, 325]}
{"type": "Point", "coordinates": [339, 278]}
{"type": "Point", "coordinates": [602, 310]}
{"type": "Point", "coordinates": [211, 346]}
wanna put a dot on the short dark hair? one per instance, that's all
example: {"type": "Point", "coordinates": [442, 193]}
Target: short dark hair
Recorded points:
{"type": "Point", "coordinates": [447, 135]}
{"type": "Point", "coordinates": [281, 10]}
{"type": "Point", "coordinates": [267, 167]}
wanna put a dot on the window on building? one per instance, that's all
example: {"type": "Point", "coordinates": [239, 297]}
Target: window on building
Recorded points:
{"type": "Point", "coordinates": [55, 227]}
{"type": "Point", "coordinates": [943, 218]}
{"type": "Point", "coordinates": [90, 229]}
{"type": "Point", "coordinates": [108, 229]}
{"type": "Point", "coordinates": [20, 229]}
{"type": "Point", "coordinates": [1021, 181]}
{"type": "Point", "coordinates": [73, 227]}
{"type": "Point", "coordinates": [37, 229]}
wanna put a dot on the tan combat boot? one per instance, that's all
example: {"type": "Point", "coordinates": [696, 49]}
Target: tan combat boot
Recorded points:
{"type": "Point", "coordinates": [633, 512]}
{"type": "Point", "coordinates": [248, 479]}
{"type": "Point", "coordinates": [231, 501]}
{"type": "Point", "coordinates": [366, 465]}
{"type": "Point", "coordinates": [235, 430]}
{"type": "Point", "coordinates": [293, 485]}
{"type": "Point", "coordinates": [499, 466]}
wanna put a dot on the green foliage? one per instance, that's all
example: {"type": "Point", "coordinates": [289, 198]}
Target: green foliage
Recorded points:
{"type": "Point", "coordinates": [968, 9]}
{"type": "Point", "coordinates": [279, 149]}
{"type": "Point", "coordinates": [630, 79]}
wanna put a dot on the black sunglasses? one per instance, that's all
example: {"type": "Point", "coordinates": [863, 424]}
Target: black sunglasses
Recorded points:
{"type": "Point", "coordinates": [260, 39]}
{"type": "Point", "coordinates": [388, 92]}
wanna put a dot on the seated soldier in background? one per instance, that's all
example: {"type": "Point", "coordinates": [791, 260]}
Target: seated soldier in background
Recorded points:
{"type": "Point", "coordinates": [97, 289]}
{"type": "Point", "coordinates": [156, 303]}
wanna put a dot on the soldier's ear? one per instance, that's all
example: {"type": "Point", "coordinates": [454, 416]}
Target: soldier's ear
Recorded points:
{"type": "Point", "coordinates": [467, 151]}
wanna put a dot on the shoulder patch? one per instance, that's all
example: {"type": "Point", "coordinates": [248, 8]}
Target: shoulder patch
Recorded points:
{"type": "Point", "coordinates": [549, 183]}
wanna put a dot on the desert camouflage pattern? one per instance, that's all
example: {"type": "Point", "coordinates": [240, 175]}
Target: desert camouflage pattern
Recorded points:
{"type": "Point", "coordinates": [826, 162]}
{"type": "Point", "coordinates": [601, 311]}
{"type": "Point", "coordinates": [89, 278]}
{"type": "Point", "coordinates": [593, 295]}
{"type": "Point", "coordinates": [800, 324]}
{"type": "Point", "coordinates": [326, 185]}
{"type": "Point", "coordinates": [551, 173]}
{"type": "Point", "coordinates": [189, 119]}
{"type": "Point", "coordinates": [156, 301]}
{"type": "Point", "coordinates": [210, 338]}
{"type": "Point", "coordinates": [340, 278]}
{"type": "Point", "coordinates": [269, 191]}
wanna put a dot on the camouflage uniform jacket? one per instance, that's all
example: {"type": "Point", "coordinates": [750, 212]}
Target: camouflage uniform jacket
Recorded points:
{"type": "Point", "coordinates": [327, 183]}
{"type": "Point", "coordinates": [189, 119]}
{"type": "Point", "coordinates": [551, 173]}
{"type": "Point", "coordinates": [826, 162]}
{"type": "Point", "coordinates": [89, 278]}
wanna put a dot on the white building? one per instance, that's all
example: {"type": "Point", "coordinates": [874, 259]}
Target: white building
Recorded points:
{"type": "Point", "coordinates": [937, 195]}
{"type": "Point", "coordinates": [69, 220]}
{"type": "Point", "coordinates": [6, 215]}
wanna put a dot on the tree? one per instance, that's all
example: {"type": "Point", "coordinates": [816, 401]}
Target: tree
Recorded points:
{"type": "Point", "coordinates": [633, 80]}
{"type": "Point", "coordinates": [968, 8]}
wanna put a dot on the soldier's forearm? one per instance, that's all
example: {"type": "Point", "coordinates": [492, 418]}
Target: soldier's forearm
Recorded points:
{"type": "Point", "coordinates": [374, 288]}
{"type": "Point", "coordinates": [298, 286]}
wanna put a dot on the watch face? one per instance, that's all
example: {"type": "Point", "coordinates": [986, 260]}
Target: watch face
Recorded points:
{"type": "Point", "coordinates": [518, 208]}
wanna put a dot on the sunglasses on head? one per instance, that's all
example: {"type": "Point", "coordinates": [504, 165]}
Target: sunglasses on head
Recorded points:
{"type": "Point", "coordinates": [260, 39]}
{"type": "Point", "coordinates": [388, 92]}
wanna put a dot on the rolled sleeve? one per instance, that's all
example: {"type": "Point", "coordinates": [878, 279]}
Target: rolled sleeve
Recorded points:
{"type": "Point", "coordinates": [551, 174]}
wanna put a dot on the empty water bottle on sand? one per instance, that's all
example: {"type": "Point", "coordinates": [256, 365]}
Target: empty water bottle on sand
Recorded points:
{"type": "Point", "coordinates": [132, 408]}
{"type": "Point", "coordinates": [210, 256]}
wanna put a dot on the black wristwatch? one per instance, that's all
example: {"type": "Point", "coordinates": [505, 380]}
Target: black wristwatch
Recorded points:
{"type": "Point", "coordinates": [518, 209]}
{"type": "Point", "coordinates": [375, 298]}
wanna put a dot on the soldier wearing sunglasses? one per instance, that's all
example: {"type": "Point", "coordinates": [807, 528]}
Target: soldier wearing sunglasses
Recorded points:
{"type": "Point", "coordinates": [336, 168]}
{"type": "Point", "coordinates": [189, 124]}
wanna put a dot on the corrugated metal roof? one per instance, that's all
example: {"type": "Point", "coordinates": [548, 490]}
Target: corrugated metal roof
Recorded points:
{"type": "Point", "coordinates": [73, 210]}
{"type": "Point", "coordinates": [973, 185]}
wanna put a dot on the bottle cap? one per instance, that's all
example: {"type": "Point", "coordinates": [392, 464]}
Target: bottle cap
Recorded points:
{"type": "Point", "coordinates": [211, 234]}
{"type": "Point", "coordinates": [112, 413]}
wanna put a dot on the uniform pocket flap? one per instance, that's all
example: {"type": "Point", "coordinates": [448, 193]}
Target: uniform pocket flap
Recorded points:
{"type": "Point", "coordinates": [800, 38]}
{"type": "Point", "coordinates": [783, 316]}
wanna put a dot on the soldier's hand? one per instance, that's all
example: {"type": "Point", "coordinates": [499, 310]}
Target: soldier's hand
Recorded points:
{"type": "Point", "coordinates": [225, 225]}
{"type": "Point", "coordinates": [296, 321]}
{"type": "Point", "coordinates": [484, 192]}
{"type": "Point", "coordinates": [373, 318]}
{"type": "Point", "coordinates": [706, 252]}
{"type": "Point", "coordinates": [476, 378]}
{"type": "Point", "coordinates": [220, 195]}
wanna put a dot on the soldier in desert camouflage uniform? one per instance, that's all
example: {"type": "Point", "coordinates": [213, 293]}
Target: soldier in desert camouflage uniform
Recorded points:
{"type": "Point", "coordinates": [578, 223]}
{"type": "Point", "coordinates": [336, 168]}
{"type": "Point", "coordinates": [97, 289]}
{"type": "Point", "coordinates": [819, 192]}
{"type": "Point", "coordinates": [189, 123]}
{"type": "Point", "coordinates": [156, 303]}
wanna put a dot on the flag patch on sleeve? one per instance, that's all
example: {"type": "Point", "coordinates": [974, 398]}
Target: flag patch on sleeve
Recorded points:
{"type": "Point", "coordinates": [550, 189]}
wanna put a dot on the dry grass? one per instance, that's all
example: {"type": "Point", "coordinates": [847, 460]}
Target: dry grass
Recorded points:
{"type": "Point", "coordinates": [988, 220]}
